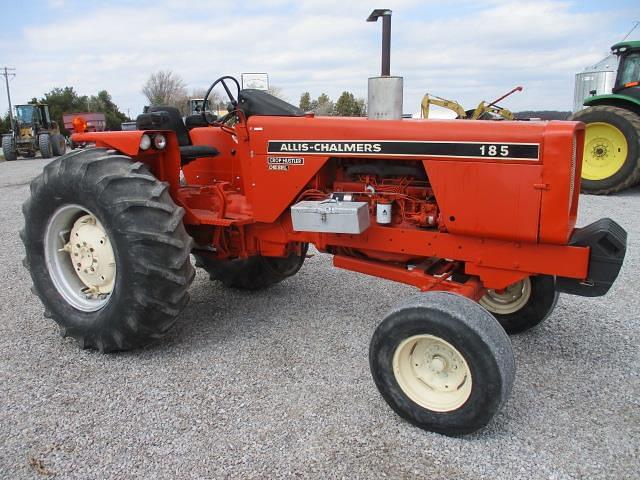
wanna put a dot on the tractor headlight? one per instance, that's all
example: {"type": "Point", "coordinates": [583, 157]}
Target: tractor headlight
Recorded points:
{"type": "Point", "coordinates": [145, 142]}
{"type": "Point", "coordinates": [159, 141]}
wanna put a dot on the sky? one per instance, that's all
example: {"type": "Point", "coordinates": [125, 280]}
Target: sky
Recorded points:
{"type": "Point", "coordinates": [463, 50]}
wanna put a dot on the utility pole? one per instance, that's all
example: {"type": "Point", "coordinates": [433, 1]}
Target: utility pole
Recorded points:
{"type": "Point", "coordinates": [7, 72]}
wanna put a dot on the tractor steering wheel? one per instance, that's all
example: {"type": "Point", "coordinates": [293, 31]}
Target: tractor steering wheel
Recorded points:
{"type": "Point", "coordinates": [222, 80]}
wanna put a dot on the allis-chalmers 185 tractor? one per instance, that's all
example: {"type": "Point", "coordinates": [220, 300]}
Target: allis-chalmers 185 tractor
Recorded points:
{"type": "Point", "coordinates": [479, 216]}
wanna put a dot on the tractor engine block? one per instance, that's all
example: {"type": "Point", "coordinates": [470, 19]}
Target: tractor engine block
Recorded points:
{"type": "Point", "coordinates": [398, 193]}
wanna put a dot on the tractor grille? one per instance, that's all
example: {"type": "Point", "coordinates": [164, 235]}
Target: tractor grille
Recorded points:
{"type": "Point", "coordinates": [574, 156]}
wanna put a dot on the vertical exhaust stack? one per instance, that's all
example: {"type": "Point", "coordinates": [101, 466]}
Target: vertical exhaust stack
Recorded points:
{"type": "Point", "coordinates": [385, 91]}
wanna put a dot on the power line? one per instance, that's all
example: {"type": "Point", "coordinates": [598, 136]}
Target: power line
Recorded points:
{"type": "Point", "coordinates": [6, 73]}
{"type": "Point", "coordinates": [635, 25]}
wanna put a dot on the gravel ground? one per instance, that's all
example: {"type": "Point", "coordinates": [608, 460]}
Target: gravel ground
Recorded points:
{"type": "Point", "coordinates": [277, 383]}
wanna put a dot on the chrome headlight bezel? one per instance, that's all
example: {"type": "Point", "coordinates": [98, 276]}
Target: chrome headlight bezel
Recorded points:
{"type": "Point", "coordinates": [145, 142]}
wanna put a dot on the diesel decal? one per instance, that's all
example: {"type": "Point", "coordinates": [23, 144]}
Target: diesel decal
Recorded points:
{"type": "Point", "coordinates": [504, 151]}
{"type": "Point", "coordinates": [279, 167]}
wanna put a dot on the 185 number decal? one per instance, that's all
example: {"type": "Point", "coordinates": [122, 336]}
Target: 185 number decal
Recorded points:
{"type": "Point", "coordinates": [494, 150]}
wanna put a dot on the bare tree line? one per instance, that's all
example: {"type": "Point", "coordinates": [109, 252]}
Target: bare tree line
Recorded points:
{"type": "Point", "coordinates": [166, 87]}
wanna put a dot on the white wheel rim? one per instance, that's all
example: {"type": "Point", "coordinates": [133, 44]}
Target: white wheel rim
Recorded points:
{"type": "Point", "coordinates": [509, 300]}
{"type": "Point", "coordinates": [432, 373]}
{"type": "Point", "coordinates": [80, 258]}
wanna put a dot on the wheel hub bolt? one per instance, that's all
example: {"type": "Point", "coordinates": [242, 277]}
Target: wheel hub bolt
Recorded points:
{"type": "Point", "coordinates": [437, 364]}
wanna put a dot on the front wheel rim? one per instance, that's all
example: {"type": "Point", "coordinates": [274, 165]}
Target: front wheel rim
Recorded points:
{"type": "Point", "coordinates": [432, 373]}
{"type": "Point", "coordinates": [508, 300]}
{"type": "Point", "coordinates": [80, 258]}
{"type": "Point", "coordinates": [605, 151]}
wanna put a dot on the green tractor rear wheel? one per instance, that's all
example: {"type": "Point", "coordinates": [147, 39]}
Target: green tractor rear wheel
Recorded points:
{"type": "Point", "coordinates": [611, 160]}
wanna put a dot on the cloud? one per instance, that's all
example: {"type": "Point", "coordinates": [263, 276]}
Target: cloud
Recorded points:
{"type": "Point", "coordinates": [470, 51]}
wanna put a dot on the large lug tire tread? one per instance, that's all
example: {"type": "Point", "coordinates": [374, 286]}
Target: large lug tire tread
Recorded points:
{"type": "Point", "coordinates": [58, 145]}
{"type": "Point", "coordinates": [470, 329]}
{"type": "Point", "coordinates": [628, 123]}
{"type": "Point", "coordinates": [7, 149]}
{"type": "Point", "coordinates": [540, 305]}
{"type": "Point", "coordinates": [152, 248]}
{"type": "Point", "coordinates": [253, 273]}
{"type": "Point", "coordinates": [44, 144]}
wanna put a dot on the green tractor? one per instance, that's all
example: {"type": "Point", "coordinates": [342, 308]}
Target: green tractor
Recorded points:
{"type": "Point", "coordinates": [612, 141]}
{"type": "Point", "coordinates": [33, 130]}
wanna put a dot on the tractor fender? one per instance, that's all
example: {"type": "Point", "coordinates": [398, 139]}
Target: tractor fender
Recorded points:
{"type": "Point", "coordinates": [127, 142]}
{"type": "Point", "coordinates": [615, 100]}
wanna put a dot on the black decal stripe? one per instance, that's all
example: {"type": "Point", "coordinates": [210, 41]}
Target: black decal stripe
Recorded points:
{"type": "Point", "coordinates": [488, 150]}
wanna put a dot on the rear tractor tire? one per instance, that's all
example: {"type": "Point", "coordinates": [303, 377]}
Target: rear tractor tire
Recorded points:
{"type": "Point", "coordinates": [44, 144]}
{"type": "Point", "coordinates": [443, 363]}
{"type": "Point", "coordinates": [253, 273]}
{"type": "Point", "coordinates": [523, 305]}
{"type": "Point", "coordinates": [8, 148]}
{"type": "Point", "coordinates": [611, 160]}
{"type": "Point", "coordinates": [58, 144]}
{"type": "Point", "coordinates": [107, 250]}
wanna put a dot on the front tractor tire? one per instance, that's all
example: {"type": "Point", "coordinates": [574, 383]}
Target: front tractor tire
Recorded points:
{"type": "Point", "coordinates": [523, 305]}
{"type": "Point", "coordinates": [611, 159]}
{"type": "Point", "coordinates": [253, 273]}
{"type": "Point", "coordinates": [443, 363]}
{"type": "Point", "coordinates": [44, 145]}
{"type": "Point", "coordinates": [107, 250]}
{"type": "Point", "coordinates": [9, 148]}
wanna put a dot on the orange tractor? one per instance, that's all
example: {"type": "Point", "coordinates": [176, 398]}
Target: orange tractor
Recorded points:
{"type": "Point", "coordinates": [479, 216]}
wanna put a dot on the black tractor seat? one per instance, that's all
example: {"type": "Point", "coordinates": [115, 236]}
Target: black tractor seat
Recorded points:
{"type": "Point", "coordinates": [169, 118]}
{"type": "Point", "coordinates": [197, 120]}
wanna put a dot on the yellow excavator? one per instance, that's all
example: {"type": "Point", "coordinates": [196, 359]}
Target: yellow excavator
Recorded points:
{"type": "Point", "coordinates": [484, 110]}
